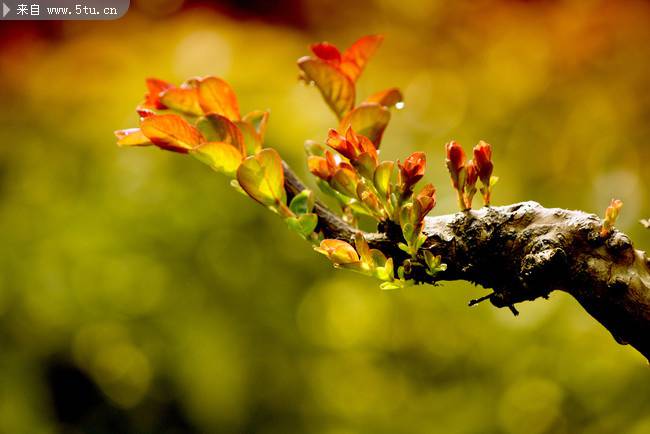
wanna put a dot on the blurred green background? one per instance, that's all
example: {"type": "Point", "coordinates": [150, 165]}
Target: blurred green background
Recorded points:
{"type": "Point", "coordinates": [140, 294]}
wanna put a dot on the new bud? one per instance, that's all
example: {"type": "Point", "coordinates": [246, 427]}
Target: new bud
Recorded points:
{"type": "Point", "coordinates": [611, 214]}
{"type": "Point", "coordinates": [470, 185]}
{"type": "Point", "coordinates": [412, 171]}
{"type": "Point", "coordinates": [483, 161]}
{"type": "Point", "coordinates": [456, 166]}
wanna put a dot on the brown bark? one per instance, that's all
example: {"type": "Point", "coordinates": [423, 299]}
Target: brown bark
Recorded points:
{"type": "Point", "coordinates": [523, 252]}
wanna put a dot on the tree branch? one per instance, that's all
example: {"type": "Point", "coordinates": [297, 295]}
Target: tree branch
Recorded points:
{"type": "Point", "coordinates": [525, 251]}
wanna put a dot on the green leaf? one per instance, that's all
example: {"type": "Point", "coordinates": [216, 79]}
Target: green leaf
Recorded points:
{"type": "Point", "coordinates": [262, 177]}
{"type": "Point", "coordinates": [303, 225]}
{"type": "Point", "coordinates": [314, 149]}
{"type": "Point", "coordinates": [302, 203]}
{"type": "Point", "coordinates": [336, 87]}
{"type": "Point", "coordinates": [218, 128]}
{"type": "Point", "coordinates": [369, 119]}
{"type": "Point", "coordinates": [382, 178]}
{"type": "Point", "coordinates": [222, 157]}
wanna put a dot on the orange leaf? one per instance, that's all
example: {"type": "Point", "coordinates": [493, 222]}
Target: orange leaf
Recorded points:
{"type": "Point", "coordinates": [388, 98]}
{"type": "Point", "coordinates": [182, 99]}
{"type": "Point", "coordinates": [132, 137]}
{"type": "Point", "coordinates": [368, 120]}
{"type": "Point", "coordinates": [356, 57]}
{"type": "Point", "coordinates": [155, 86]}
{"type": "Point", "coordinates": [338, 251]}
{"type": "Point", "coordinates": [171, 132]}
{"type": "Point", "coordinates": [337, 89]}
{"type": "Point", "coordinates": [216, 96]}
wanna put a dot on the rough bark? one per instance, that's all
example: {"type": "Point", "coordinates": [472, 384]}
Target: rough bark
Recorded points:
{"type": "Point", "coordinates": [525, 251]}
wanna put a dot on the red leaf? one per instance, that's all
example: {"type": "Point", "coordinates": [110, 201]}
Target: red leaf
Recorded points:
{"type": "Point", "coordinates": [327, 52]}
{"type": "Point", "coordinates": [356, 57]}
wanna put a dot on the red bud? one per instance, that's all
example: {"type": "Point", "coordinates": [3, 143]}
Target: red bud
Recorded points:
{"type": "Point", "coordinates": [483, 161]}
{"type": "Point", "coordinates": [413, 169]}
{"type": "Point", "coordinates": [455, 163]}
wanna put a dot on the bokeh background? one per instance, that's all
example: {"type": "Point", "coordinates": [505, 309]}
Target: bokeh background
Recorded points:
{"type": "Point", "coordinates": [140, 294]}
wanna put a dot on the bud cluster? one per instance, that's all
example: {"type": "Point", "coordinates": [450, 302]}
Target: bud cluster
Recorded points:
{"type": "Point", "coordinates": [465, 174]}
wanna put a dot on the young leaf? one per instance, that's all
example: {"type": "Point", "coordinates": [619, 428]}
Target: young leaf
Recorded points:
{"type": "Point", "coordinates": [382, 178]}
{"type": "Point", "coordinates": [337, 88]}
{"type": "Point", "coordinates": [302, 203]}
{"type": "Point", "coordinates": [218, 128]}
{"type": "Point", "coordinates": [369, 119]}
{"type": "Point", "coordinates": [356, 57]}
{"type": "Point", "coordinates": [303, 225]}
{"type": "Point", "coordinates": [327, 52]}
{"type": "Point", "coordinates": [338, 251]}
{"type": "Point", "coordinates": [222, 157]}
{"type": "Point", "coordinates": [363, 249]}
{"type": "Point", "coordinates": [155, 87]}
{"type": "Point", "coordinates": [262, 177]}
{"type": "Point", "coordinates": [216, 96]}
{"type": "Point", "coordinates": [251, 140]}
{"type": "Point", "coordinates": [315, 149]}
{"type": "Point", "coordinates": [388, 98]}
{"type": "Point", "coordinates": [171, 132]}
{"type": "Point", "coordinates": [258, 119]}
{"type": "Point", "coordinates": [132, 137]}
{"type": "Point", "coordinates": [345, 181]}
{"type": "Point", "coordinates": [182, 99]}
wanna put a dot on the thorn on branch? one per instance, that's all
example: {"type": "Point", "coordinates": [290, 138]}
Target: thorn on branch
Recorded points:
{"type": "Point", "coordinates": [513, 309]}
